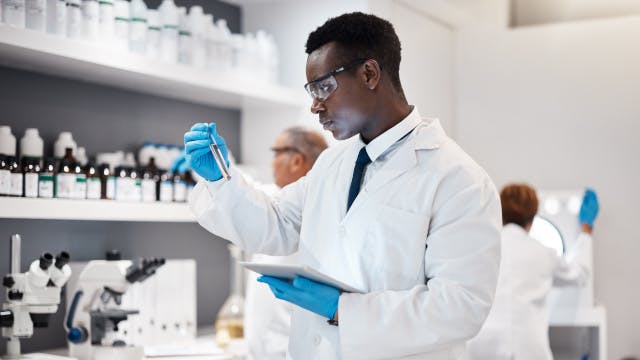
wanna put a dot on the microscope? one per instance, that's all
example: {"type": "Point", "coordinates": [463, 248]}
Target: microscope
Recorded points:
{"type": "Point", "coordinates": [95, 312]}
{"type": "Point", "coordinates": [31, 297]}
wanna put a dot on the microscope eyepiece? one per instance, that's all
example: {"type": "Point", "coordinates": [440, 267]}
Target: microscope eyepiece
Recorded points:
{"type": "Point", "coordinates": [46, 260]}
{"type": "Point", "coordinates": [62, 259]}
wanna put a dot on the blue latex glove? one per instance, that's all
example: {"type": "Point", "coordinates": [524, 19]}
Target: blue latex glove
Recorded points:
{"type": "Point", "coordinates": [318, 298]}
{"type": "Point", "coordinates": [589, 208]}
{"type": "Point", "coordinates": [199, 157]}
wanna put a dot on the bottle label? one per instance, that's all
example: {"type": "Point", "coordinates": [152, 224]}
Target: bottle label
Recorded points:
{"type": "Point", "coordinates": [16, 184]}
{"type": "Point", "coordinates": [45, 186]}
{"type": "Point", "coordinates": [148, 190]}
{"type": "Point", "coordinates": [179, 191]}
{"type": "Point", "coordinates": [111, 188]}
{"type": "Point", "coordinates": [93, 188]}
{"type": "Point", "coordinates": [80, 191]}
{"type": "Point", "coordinates": [5, 182]}
{"type": "Point", "coordinates": [31, 185]}
{"type": "Point", "coordinates": [138, 34]}
{"type": "Point", "coordinates": [166, 191]}
{"type": "Point", "coordinates": [65, 185]}
{"type": "Point", "coordinates": [127, 189]}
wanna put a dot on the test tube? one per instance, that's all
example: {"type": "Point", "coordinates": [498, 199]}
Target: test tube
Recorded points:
{"type": "Point", "coordinates": [217, 155]}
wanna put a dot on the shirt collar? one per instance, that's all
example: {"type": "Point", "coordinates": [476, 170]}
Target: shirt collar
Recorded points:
{"type": "Point", "coordinates": [380, 144]}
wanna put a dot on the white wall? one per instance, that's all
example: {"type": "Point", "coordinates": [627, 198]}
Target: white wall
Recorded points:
{"type": "Point", "coordinates": [558, 106]}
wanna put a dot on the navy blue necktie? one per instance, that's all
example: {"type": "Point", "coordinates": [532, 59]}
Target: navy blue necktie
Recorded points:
{"type": "Point", "coordinates": [361, 162]}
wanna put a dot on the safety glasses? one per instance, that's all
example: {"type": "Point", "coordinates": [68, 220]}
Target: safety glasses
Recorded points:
{"type": "Point", "coordinates": [321, 88]}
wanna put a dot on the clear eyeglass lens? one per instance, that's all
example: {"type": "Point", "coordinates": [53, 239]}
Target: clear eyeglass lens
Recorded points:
{"type": "Point", "coordinates": [322, 89]}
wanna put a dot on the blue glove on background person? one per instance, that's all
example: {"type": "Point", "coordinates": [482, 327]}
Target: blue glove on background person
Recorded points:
{"type": "Point", "coordinates": [180, 164]}
{"type": "Point", "coordinates": [318, 298]}
{"type": "Point", "coordinates": [199, 157]}
{"type": "Point", "coordinates": [589, 208]}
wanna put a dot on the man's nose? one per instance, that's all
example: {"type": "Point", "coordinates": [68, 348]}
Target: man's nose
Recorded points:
{"type": "Point", "coordinates": [317, 106]}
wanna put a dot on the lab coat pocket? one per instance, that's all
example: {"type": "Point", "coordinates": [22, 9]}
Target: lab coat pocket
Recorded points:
{"type": "Point", "coordinates": [394, 248]}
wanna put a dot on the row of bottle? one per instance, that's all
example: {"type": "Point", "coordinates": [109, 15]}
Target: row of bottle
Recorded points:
{"type": "Point", "coordinates": [67, 179]}
{"type": "Point", "coordinates": [168, 33]}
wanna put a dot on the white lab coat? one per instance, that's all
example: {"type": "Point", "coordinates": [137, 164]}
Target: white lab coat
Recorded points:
{"type": "Point", "coordinates": [422, 239]}
{"type": "Point", "coordinates": [517, 326]}
{"type": "Point", "coordinates": [267, 320]}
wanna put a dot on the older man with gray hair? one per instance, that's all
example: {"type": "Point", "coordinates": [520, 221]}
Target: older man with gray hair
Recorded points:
{"type": "Point", "coordinates": [267, 319]}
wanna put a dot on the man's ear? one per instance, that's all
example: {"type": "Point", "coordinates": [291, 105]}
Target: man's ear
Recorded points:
{"type": "Point", "coordinates": [297, 161]}
{"type": "Point", "coordinates": [371, 73]}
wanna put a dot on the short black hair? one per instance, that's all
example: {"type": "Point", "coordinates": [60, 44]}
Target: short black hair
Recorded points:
{"type": "Point", "coordinates": [361, 36]}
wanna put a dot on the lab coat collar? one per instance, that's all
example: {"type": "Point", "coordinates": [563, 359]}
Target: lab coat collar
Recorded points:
{"type": "Point", "coordinates": [382, 142]}
{"type": "Point", "coordinates": [427, 134]}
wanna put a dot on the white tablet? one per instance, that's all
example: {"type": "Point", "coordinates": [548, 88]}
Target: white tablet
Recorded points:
{"type": "Point", "coordinates": [289, 272]}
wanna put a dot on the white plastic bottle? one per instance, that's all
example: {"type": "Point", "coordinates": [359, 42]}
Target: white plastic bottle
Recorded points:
{"type": "Point", "coordinates": [65, 140]}
{"type": "Point", "coordinates": [57, 17]}
{"type": "Point", "coordinates": [14, 13]}
{"type": "Point", "coordinates": [90, 20]}
{"type": "Point", "coordinates": [199, 42]}
{"type": "Point", "coordinates": [74, 19]}
{"type": "Point", "coordinates": [147, 151]}
{"type": "Point", "coordinates": [185, 37]}
{"type": "Point", "coordinates": [7, 141]}
{"type": "Point", "coordinates": [225, 46]}
{"type": "Point", "coordinates": [138, 27]}
{"type": "Point", "coordinates": [36, 15]}
{"type": "Point", "coordinates": [122, 19]}
{"type": "Point", "coordinates": [211, 34]}
{"type": "Point", "coordinates": [153, 34]}
{"type": "Point", "coordinates": [31, 144]}
{"type": "Point", "coordinates": [169, 39]}
{"type": "Point", "coordinates": [81, 156]}
{"type": "Point", "coordinates": [106, 22]}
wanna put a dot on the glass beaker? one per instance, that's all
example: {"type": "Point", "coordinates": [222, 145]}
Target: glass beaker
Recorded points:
{"type": "Point", "coordinates": [230, 319]}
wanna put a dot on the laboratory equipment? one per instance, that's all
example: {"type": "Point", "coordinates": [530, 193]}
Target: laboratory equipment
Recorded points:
{"type": "Point", "coordinates": [36, 18]}
{"type": "Point", "coordinates": [31, 144]}
{"type": "Point", "coordinates": [31, 297]}
{"type": "Point", "coordinates": [121, 24]}
{"type": "Point", "coordinates": [13, 13]}
{"type": "Point", "coordinates": [57, 17]}
{"type": "Point", "coordinates": [169, 34]}
{"type": "Point", "coordinates": [7, 141]}
{"type": "Point", "coordinates": [95, 313]}
{"type": "Point", "coordinates": [30, 172]}
{"type": "Point", "coordinates": [166, 304]}
{"type": "Point", "coordinates": [74, 19]}
{"type": "Point", "coordinates": [64, 141]}
{"type": "Point", "coordinates": [230, 319]}
{"type": "Point", "coordinates": [575, 319]}
{"type": "Point", "coordinates": [106, 22]}
{"type": "Point", "coordinates": [45, 178]}
{"type": "Point", "coordinates": [138, 27]}
{"type": "Point", "coordinates": [90, 20]}
{"type": "Point", "coordinates": [217, 155]}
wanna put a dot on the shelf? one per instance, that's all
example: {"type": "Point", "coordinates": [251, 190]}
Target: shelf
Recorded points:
{"type": "Point", "coordinates": [49, 54]}
{"type": "Point", "coordinates": [100, 210]}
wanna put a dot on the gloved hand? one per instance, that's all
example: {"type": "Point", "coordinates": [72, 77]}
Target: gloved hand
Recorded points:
{"type": "Point", "coordinates": [589, 208]}
{"type": "Point", "coordinates": [318, 298]}
{"type": "Point", "coordinates": [196, 145]}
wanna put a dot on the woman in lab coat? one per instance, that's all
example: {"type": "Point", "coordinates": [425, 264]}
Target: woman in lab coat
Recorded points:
{"type": "Point", "coordinates": [517, 326]}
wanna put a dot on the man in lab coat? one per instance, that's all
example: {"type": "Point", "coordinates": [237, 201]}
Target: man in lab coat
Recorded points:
{"type": "Point", "coordinates": [517, 326]}
{"type": "Point", "coordinates": [396, 210]}
{"type": "Point", "coordinates": [267, 319]}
